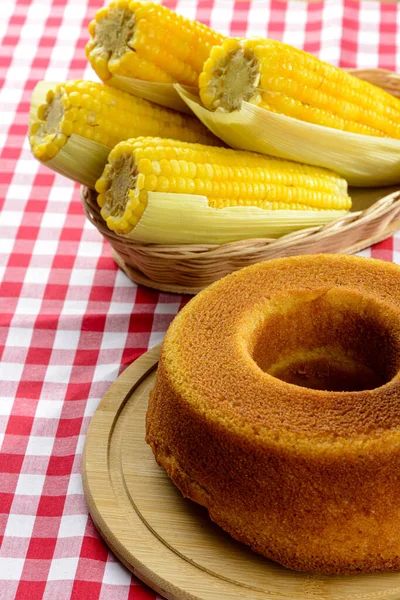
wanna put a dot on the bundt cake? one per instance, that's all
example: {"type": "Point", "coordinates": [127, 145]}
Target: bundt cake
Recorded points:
{"type": "Point", "coordinates": [277, 407]}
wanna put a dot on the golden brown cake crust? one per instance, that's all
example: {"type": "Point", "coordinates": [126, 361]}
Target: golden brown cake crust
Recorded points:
{"type": "Point", "coordinates": [306, 477]}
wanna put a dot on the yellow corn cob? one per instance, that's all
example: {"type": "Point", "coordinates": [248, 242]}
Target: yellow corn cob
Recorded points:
{"type": "Point", "coordinates": [288, 81]}
{"type": "Point", "coordinates": [144, 40]}
{"type": "Point", "coordinates": [225, 177]}
{"type": "Point", "coordinates": [104, 116]}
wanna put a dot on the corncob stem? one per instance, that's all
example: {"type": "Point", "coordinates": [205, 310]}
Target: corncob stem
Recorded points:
{"type": "Point", "coordinates": [46, 135]}
{"type": "Point", "coordinates": [233, 76]}
{"type": "Point", "coordinates": [119, 196]}
{"type": "Point", "coordinates": [226, 178]}
{"type": "Point", "coordinates": [114, 33]}
{"type": "Point", "coordinates": [124, 178]}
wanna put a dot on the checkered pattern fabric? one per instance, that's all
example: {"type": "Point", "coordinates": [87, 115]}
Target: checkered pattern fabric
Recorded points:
{"type": "Point", "coordinates": [70, 321]}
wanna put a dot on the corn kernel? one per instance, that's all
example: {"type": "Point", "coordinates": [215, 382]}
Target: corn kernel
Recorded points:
{"type": "Point", "coordinates": [139, 210]}
{"type": "Point", "coordinates": [102, 185]}
{"type": "Point", "coordinates": [231, 44]}
{"type": "Point", "coordinates": [150, 183]}
{"type": "Point", "coordinates": [42, 112]}
{"type": "Point", "coordinates": [145, 166]}
{"type": "Point", "coordinates": [66, 127]}
{"type": "Point", "coordinates": [140, 183]}
{"type": "Point", "coordinates": [75, 99]}
{"type": "Point", "coordinates": [92, 27]}
{"type": "Point", "coordinates": [101, 14]}
{"type": "Point", "coordinates": [35, 127]}
{"type": "Point", "coordinates": [101, 200]}
{"type": "Point", "coordinates": [217, 52]}
{"type": "Point", "coordinates": [163, 184]}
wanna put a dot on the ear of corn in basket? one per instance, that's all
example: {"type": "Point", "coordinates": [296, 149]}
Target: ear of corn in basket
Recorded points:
{"type": "Point", "coordinates": [134, 43]}
{"type": "Point", "coordinates": [266, 96]}
{"type": "Point", "coordinates": [283, 79]}
{"type": "Point", "coordinates": [75, 124]}
{"type": "Point", "coordinates": [165, 191]}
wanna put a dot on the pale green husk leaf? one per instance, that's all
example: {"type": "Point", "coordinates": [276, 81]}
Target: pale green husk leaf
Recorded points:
{"type": "Point", "coordinates": [81, 160]}
{"type": "Point", "coordinates": [188, 219]}
{"type": "Point", "coordinates": [160, 93]}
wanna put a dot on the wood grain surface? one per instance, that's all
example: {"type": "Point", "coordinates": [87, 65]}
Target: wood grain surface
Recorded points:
{"type": "Point", "coordinates": [169, 542]}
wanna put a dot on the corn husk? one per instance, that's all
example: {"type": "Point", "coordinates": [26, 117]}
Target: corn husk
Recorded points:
{"type": "Point", "coordinates": [365, 161]}
{"type": "Point", "coordinates": [39, 97]}
{"type": "Point", "coordinates": [188, 219]}
{"type": "Point", "coordinates": [81, 160]}
{"type": "Point", "coordinates": [159, 93]}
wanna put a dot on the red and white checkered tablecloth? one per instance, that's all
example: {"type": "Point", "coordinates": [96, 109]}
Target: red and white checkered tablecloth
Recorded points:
{"type": "Point", "coordinates": [70, 321]}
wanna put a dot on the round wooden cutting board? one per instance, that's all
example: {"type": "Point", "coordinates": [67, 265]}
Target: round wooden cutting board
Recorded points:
{"type": "Point", "coordinates": [170, 542]}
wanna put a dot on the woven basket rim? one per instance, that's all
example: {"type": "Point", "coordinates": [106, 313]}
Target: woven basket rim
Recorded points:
{"type": "Point", "coordinates": [189, 268]}
{"type": "Point", "coordinates": [352, 219]}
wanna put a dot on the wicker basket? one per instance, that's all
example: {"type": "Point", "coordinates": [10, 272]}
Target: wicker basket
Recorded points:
{"type": "Point", "coordinates": [189, 268]}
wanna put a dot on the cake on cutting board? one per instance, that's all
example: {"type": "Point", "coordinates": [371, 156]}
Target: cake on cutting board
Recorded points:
{"type": "Point", "coordinates": [277, 407]}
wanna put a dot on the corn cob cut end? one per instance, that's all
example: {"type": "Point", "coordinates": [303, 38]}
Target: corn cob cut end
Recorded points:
{"type": "Point", "coordinates": [111, 51]}
{"type": "Point", "coordinates": [227, 178]}
{"type": "Point", "coordinates": [230, 76]}
{"type": "Point", "coordinates": [122, 204]}
{"type": "Point", "coordinates": [46, 136]}
{"type": "Point", "coordinates": [111, 30]}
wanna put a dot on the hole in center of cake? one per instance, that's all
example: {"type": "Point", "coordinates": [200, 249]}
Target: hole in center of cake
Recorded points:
{"type": "Point", "coordinates": [333, 340]}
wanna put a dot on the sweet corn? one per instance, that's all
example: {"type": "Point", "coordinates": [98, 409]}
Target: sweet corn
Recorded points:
{"type": "Point", "coordinates": [227, 178]}
{"type": "Point", "coordinates": [285, 80]}
{"type": "Point", "coordinates": [102, 116]}
{"type": "Point", "coordinates": [143, 40]}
